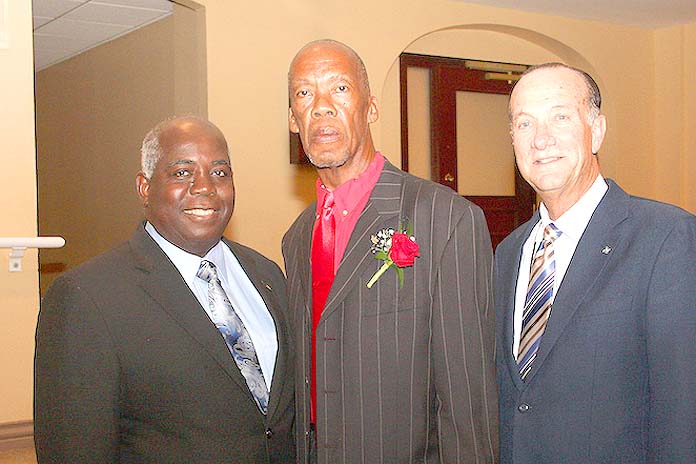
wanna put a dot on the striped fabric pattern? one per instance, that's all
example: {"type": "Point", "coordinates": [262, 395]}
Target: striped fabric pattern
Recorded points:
{"type": "Point", "coordinates": [404, 374]}
{"type": "Point", "coordinates": [537, 304]}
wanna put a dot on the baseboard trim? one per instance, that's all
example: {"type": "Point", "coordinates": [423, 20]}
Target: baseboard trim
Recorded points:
{"type": "Point", "coordinates": [14, 435]}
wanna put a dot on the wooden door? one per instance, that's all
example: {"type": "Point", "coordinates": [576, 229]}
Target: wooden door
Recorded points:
{"type": "Point", "coordinates": [449, 79]}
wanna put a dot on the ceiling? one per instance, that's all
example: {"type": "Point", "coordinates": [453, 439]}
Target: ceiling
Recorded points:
{"type": "Point", "coordinates": [649, 14]}
{"type": "Point", "coordinates": [64, 28]}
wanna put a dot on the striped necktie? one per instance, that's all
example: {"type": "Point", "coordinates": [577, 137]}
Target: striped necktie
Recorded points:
{"type": "Point", "coordinates": [537, 303]}
{"type": "Point", "coordinates": [235, 334]}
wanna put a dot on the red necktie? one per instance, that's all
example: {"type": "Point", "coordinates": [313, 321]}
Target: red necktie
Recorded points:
{"type": "Point", "coordinates": [323, 246]}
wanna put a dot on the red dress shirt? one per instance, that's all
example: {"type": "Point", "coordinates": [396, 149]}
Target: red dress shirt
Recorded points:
{"type": "Point", "coordinates": [350, 199]}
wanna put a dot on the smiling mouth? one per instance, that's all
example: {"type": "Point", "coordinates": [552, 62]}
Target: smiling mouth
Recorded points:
{"type": "Point", "coordinates": [199, 212]}
{"type": "Point", "coordinates": [547, 160]}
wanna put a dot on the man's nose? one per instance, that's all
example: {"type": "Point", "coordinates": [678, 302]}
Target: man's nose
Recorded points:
{"type": "Point", "coordinates": [323, 106]}
{"type": "Point", "coordinates": [543, 137]}
{"type": "Point", "coordinates": [202, 184]}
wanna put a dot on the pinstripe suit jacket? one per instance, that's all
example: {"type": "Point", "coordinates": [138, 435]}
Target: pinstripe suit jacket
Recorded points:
{"type": "Point", "coordinates": [403, 374]}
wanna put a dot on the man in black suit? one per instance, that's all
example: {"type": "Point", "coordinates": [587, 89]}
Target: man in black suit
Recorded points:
{"type": "Point", "coordinates": [596, 362]}
{"type": "Point", "coordinates": [150, 353]}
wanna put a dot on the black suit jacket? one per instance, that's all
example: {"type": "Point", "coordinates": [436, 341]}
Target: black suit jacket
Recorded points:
{"type": "Point", "coordinates": [615, 378]}
{"type": "Point", "coordinates": [130, 369]}
{"type": "Point", "coordinates": [404, 374]}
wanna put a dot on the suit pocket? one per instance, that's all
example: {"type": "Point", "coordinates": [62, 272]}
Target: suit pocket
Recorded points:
{"type": "Point", "coordinates": [386, 298]}
{"type": "Point", "coordinates": [608, 302]}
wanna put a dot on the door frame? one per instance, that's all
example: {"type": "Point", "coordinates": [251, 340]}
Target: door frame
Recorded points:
{"type": "Point", "coordinates": [489, 78]}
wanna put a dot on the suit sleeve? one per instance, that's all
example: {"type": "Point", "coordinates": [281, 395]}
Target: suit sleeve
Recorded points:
{"type": "Point", "coordinates": [76, 380]}
{"type": "Point", "coordinates": [671, 347]}
{"type": "Point", "coordinates": [464, 345]}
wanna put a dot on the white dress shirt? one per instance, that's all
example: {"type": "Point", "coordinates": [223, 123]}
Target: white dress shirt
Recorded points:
{"type": "Point", "coordinates": [243, 296]}
{"type": "Point", "coordinates": [572, 225]}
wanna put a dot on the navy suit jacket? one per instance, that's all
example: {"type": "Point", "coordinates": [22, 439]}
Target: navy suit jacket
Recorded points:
{"type": "Point", "coordinates": [130, 369]}
{"type": "Point", "coordinates": [615, 376]}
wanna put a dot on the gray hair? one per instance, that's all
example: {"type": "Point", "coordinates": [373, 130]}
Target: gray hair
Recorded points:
{"type": "Point", "coordinates": [594, 97]}
{"type": "Point", "coordinates": [151, 151]}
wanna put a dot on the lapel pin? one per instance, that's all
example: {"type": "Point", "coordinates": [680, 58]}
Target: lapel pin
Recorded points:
{"type": "Point", "coordinates": [606, 250]}
{"type": "Point", "coordinates": [267, 285]}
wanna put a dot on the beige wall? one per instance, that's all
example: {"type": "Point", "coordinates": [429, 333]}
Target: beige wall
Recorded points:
{"type": "Point", "coordinates": [19, 290]}
{"type": "Point", "coordinates": [674, 115]}
{"type": "Point", "coordinates": [647, 78]}
{"type": "Point", "coordinates": [688, 180]}
{"type": "Point", "coordinates": [249, 50]}
{"type": "Point", "coordinates": [92, 113]}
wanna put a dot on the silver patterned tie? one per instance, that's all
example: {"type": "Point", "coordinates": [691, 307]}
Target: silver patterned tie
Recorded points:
{"type": "Point", "coordinates": [235, 334]}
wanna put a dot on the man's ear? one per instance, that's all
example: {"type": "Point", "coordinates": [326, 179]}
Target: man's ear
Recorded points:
{"type": "Point", "coordinates": [292, 122]}
{"type": "Point", "coordinates": [142, 185]}
{"type": "Point", "coordinates": [599, 130]}
{"type": "Point", "coordinates": [372, 110]}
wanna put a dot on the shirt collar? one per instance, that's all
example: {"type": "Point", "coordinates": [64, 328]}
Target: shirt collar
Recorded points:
{"type": "Point", "coordinates": [574, 221]}
{"type": "Point", "coordinates": [348, 194]}
{"type": "Point", "coordinates": [187, 263]}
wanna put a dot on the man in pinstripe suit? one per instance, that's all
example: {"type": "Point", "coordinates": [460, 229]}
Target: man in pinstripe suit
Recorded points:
{"type": "Point", "coordinates": [404, 370]}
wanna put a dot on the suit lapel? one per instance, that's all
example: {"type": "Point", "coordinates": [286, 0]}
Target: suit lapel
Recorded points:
{"type": "Point", "coordinates": [162, 281]}
{"type": "Point", "coordinates": [587, 267]}
{"type": "Point", "coordinates": [297, 245]}
{"type": "Point", "coordinates": [510, 271]}
{"type": "Point", "coordinates": [382, 210]}
{"type": "Point", "coordinates": [302, 242]}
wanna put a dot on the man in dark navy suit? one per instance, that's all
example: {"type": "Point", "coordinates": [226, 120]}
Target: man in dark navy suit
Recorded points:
{"type": "Point", "coordinates": [595, 297]}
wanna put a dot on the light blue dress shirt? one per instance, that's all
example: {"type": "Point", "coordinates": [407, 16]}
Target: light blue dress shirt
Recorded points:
{"type": "Point", "coordinates": [241, 292]}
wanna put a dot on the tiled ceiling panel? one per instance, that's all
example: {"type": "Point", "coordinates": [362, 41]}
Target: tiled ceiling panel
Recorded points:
{"type": "Point", "coordinates": [94, 12]}
{"type": "Point", "coordinates": [54, 8]}
{"type": "Point", "coordinates": [81, 30]}
{"type": "Point", "coordinates": [65, 28]}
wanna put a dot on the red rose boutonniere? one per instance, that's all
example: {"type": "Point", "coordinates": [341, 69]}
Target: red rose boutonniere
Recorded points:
{"type": "Point", "coordinates": [395, 248]}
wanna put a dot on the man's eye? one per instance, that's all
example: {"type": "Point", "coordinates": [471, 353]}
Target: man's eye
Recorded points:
{"type": "Point", "coordinates": [302, 93]}
{"type": "Point", "coordinates": [342, 88]}
{"type": "Point", "coordinates": [220, 173]}
{"type": "Point", "coordinates": [181, 173]}
{"type": "Point", "coordinates": [521, 125]}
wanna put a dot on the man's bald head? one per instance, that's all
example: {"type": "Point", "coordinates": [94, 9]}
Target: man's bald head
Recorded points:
{"type": "Point", "coordinates": [319, 47]}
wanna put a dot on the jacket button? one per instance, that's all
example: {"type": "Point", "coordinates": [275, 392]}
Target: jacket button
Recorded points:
{"type": "Point", "coordinates": [269, 433]}
{"type": "Point", "coordinates": [524, 407]}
